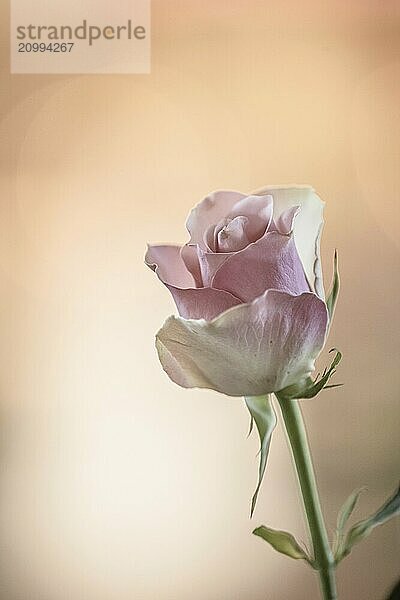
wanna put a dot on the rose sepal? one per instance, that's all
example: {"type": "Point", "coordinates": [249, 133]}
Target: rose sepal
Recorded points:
{"type": "Point", "coordinates": [308, 387]}
{"type": "Point", "coordinates": [335, 288]}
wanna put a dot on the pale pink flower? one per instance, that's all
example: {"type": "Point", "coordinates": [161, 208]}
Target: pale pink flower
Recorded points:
{"type": "Point", "coordinates": [249, 292]}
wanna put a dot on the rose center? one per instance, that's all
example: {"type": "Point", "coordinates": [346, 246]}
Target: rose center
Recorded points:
{"type": "Point", "coordinates": [229, 235]}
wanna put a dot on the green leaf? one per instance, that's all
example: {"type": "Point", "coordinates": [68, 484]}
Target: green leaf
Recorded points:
{"type": "Point", "coordinates": [333, 294]}
{"type": "Point", "coordinates": [347, 508]}
{"type": "Point", "coordinates": [343, 516]}
{"type": "Point", "coordinates": [310, 388]}
{"type": "Point", "coordinates": [263, 415]}
{"type": "Point", "coordinates": [390, 509]}
{"type": "Point", "coordinates": [283, 542]}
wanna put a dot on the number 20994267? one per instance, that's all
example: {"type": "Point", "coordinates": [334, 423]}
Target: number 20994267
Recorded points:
{"type": "Point", "coordinates": [43, 47]}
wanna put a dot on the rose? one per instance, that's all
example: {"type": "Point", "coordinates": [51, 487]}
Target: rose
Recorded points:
{"type": "Point", "coordinates": [248, 288]}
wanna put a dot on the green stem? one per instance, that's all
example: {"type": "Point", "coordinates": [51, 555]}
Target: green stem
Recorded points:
{"type": "Point", "coordinates": [297, 435]}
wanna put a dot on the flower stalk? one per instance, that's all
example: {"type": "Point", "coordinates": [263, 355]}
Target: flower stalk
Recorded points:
{"type": "Point", "coordinates": [323, 558]}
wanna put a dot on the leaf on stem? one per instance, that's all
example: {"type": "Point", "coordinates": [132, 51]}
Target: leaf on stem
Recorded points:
{"type": "Point", "coordinates": [333, 294]}
{"type": "Point", "coordinates": [343, 516]}
{"type": "Point", "coordinates": [263, 415]}
{"type": "Point", "coordinates": [390, 509]}
{"type": "Point", "coordinates": [282, 542]}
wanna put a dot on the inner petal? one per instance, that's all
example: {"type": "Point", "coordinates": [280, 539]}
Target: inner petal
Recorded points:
{"type": "Point", "coordinates": [234, 235]}
{"type": "Point", "coordinates": [211, 234]}
{"type": "Point", "coordinates": [258, 210]}
{"type": "Point", "coordinates": [285, 221]}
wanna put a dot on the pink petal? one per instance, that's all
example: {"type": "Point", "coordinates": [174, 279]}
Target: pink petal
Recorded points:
{"type": "Point", "coordinates": [210, 237]}
{"type": "Point", "coordinates": [210, 211]}
{"type": "Point", "coordinates": [234, 235]}
{"type": "Point", "coordinates": [270, 263]}
{"type": "Point", "coordinates": [190, 258]}
{"type": "Point", "coordinates": [258, 210]}
{"type": "Point", "coordinates": [210, 262]}
{"type": "Point", "coordinates": [166, 261]}
{"type": "Point", "coordinates": [202, 303]}
{"type": "Point", "coordinates": [307, 226]}
{"type": "Point", "coordinates": [192, 303]}
{"type": "Point", "coordinates": [285, 221]}
{"type": "Point", "coordinates": [249, 350]}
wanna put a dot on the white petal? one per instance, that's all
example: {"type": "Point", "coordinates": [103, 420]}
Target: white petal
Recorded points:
{"type": "Point", "coordinates": [249, 350]}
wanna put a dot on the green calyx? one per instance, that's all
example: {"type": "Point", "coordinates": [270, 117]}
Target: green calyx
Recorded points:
{"type": "Point", "coordinates": [309, 387]}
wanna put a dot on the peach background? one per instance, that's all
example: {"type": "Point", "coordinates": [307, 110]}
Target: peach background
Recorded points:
{"type": "Point", "coordinates": [116, 484]}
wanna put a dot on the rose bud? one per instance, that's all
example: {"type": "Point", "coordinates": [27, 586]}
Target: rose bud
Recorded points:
{"type": "Point", "coordinates": [249, 292]}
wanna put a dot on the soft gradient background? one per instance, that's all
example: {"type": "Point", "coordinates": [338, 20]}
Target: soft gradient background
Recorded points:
{"type": "Point", "coordinates": [116, 484]}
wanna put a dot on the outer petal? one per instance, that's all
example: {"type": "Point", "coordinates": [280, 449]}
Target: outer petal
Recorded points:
{"type": "Point", "coordinates": [210, 211]}
{"type": "Point", "coordinates": [192, 303]}
{"type": "Point", "coordinates": [270, 263]}
{"type": "Point", "coordinates": [307, 226]}
{"type": "Point", "coordinates": [249, 350]}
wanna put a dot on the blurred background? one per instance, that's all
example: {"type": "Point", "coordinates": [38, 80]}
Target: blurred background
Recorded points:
{"type": "Point", "coordinates": [116, 484]}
